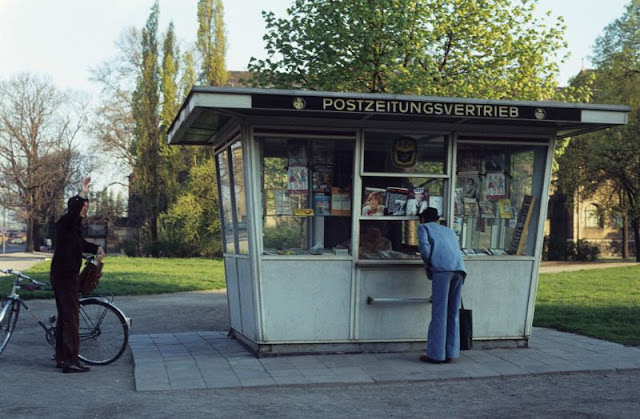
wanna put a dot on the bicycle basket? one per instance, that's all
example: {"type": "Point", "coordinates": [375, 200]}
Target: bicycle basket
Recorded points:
{"type": "Point", "coordinates": [90, 277]}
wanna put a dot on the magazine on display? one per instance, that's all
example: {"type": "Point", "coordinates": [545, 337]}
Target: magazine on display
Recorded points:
{"type": "Point", "coordinates": [486, 209]}
{"type": "Point", "coordinates": [323, 179]}
{"type": "Point", "coordinates": [504, 208]}
{"type": "Point", "coordinates": [396, 201]}
{"type": "Point", "coordinates": [470, 207]}
{"type": "Point", "coordinates": [340, 201]}
{"type": "Point", "coordinates": [322, 205]}
{"type": "Point", "coordinates": [373, 201]}
{"type": "Point", "coordinates": [418, 202]}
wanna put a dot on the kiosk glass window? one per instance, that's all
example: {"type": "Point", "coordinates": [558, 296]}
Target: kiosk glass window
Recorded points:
{"type": "Point", "coordinates": [240, 201]}
{"type": "Point", "coordinates": [226, 204]}
{"type": "Point", "coordinates": [393, 152]}
{"type": "Point", "coordinates": [306, 184]}
{"type": "Point", "coordinates": [403, 174]}
{"type": "Point", "coordinates": [497, 197]}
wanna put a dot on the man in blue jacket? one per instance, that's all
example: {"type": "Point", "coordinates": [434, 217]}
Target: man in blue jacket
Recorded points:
{"type": "Point", "coordinates": [444, 266]}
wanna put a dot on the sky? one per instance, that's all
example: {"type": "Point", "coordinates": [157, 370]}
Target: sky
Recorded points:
{"type": "Point", "coordinates": [64, 39]}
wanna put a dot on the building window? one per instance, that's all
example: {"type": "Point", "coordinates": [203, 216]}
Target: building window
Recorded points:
{"type": "Point", "coordinates": [593, 217]}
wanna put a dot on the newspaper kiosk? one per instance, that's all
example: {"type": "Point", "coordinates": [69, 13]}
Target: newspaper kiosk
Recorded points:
{"type": "Point", "coordinates": [319, 194]}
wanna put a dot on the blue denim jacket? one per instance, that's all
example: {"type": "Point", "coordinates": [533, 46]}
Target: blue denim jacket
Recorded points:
{"type": "Point", "coordinates": [439, 249]}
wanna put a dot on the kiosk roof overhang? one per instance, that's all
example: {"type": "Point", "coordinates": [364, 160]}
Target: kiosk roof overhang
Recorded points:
{"type": "Point", "coordinates": [209, 110]}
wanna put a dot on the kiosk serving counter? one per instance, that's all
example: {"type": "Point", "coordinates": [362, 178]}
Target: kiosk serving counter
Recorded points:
{"type": "Point", "coordinates": [319, 194]}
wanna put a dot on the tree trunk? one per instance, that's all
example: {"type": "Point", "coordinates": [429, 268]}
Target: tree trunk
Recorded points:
{"type": "Point", "coordinates": [635, 224]}
{"type": "Point", "coordinates": [30, 235]}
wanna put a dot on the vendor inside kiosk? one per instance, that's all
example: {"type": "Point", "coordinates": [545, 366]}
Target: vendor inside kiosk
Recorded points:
{"type": "Point", "coordinates": [319, 196]}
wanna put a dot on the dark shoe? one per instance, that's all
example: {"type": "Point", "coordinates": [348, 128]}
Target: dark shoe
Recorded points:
{"type": "Point", "coordinates": [425, 358]}
{"type": "Point", "coordinates": [59, 364]}
{"type": "Point", "coordinates": [73, 368]}
{"type": "Point", "coordinates": [448, 360]}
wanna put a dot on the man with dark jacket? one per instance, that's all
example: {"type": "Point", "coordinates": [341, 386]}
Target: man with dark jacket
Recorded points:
{"type": "Point", "coordinates": [444, 266]}
{"type": "Point", "coordinates": [65, 267]}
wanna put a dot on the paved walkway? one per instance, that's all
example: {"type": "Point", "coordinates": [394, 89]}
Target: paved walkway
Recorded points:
{"type": "Point", "coordinates": [200, 360]}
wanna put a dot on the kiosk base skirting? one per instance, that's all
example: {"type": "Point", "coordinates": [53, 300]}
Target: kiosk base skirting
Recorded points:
{"type": "Point", "coordinates": [263, 350]}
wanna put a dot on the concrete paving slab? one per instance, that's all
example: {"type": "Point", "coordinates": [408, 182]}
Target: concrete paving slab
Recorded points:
{"type": "Point", "coordinates": [192, 360]}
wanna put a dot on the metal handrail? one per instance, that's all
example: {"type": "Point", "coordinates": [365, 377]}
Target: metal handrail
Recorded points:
{"type": "Point", "coordinates": [387, 300]}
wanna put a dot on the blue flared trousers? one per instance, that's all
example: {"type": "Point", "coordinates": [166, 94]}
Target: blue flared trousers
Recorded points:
{"type": "Point", "coordinates": [443, 338]}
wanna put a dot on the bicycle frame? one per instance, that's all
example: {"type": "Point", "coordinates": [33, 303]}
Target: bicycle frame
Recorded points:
{"type": "Point", "coordinates": [103, 329]}
{"type": "Point", "coordinates": [26, 307]}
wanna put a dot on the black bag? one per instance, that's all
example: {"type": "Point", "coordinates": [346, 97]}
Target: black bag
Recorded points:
{"type": "Point", "coordinates": [466, 328]}
{"type": "Point", "coordinates": [90, 276]}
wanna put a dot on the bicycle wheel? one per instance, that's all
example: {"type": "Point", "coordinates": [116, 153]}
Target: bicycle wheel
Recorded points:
{"type": "Point", "coordinates": [103, 331]}
{"type": "Point", "coordinates": [8, 320]}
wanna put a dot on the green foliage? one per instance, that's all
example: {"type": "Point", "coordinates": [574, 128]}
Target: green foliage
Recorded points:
{"type": "Point", "coordinates": [602, 303]}
{"type": "Point", "coordinates": [558, 249]}
{"type": "Point", "coordinates": [282, 236]}
{"type": "Point", "coordinates": [610, 158]}
{"type": "Point", "coordinates": [489, 49]}
{"type": "Point", "coordinates": [191, 226]}
{"type": "Point", "coordinates": [212, 42]}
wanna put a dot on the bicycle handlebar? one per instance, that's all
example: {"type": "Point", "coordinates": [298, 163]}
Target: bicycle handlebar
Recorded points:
{"type": "Point", "coordinates": [36, 285]}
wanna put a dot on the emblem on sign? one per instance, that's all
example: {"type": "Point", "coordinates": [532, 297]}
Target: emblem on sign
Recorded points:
{"type": "Point", "coordinates": [299, 103]}
{"type": "Point", "coordinates": [540, 113]}
{"type": "Point", "coordinates": [405, 152]}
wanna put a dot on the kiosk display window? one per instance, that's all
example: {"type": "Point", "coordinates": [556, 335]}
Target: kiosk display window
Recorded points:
{"type": "Point", "coordinates": [239, 202]}
{"type": "Point", "coordinates": [233, 204]}
{"type": "Point", "coordinates": [306, 184]}
{"type": "Point", "coordinates": [226, 214]}
{"type": "Point", "coordinates": [496, 197]}
{"type": "Point", "coordinates": [402, 175]}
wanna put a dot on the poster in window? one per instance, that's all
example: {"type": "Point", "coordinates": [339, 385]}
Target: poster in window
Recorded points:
{"type": "Point", "coordinates": [470, 184]}
{"type": "Point", "coordinates": [297, 154]}
{"type": "Point", "coordinates": [495, 186]}
{"type": "Point", "coordinates": [283, 204]}
{"type": "Point", "coordinates": [298, 180]}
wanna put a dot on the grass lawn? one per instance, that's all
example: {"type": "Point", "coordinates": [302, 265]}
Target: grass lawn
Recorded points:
{"type": "Point", "coordinates": [601, 303]}
{"type": "Point", "coordinates": [140, 276]}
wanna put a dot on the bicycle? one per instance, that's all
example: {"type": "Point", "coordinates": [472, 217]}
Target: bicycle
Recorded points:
{"type": "Point", "coordinates": [103, 331]}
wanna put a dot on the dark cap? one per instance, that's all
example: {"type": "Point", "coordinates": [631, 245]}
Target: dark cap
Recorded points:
{"type": "Point", "coordinates": [430, 214]}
